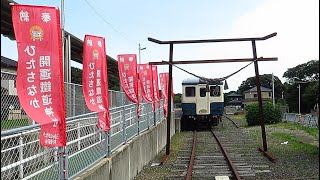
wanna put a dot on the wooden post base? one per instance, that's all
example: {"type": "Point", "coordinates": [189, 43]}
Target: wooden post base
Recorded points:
{"type": "Point", "coordinates": [271, 157]}
{"type": "Point", "coordinates": [165, 158]}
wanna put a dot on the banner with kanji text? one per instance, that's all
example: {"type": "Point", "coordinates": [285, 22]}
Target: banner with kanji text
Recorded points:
{"type": "Point", "coordinates": [127, 66]}
{"type": "Point", "coordinates": [94, 79]}
{"type": "Point", "coordinates": [40, 72]}
{"type": "Point", "coordinates": [164, 90]}
{"type": "Point", "coordinates": [155, 83]}
{"type": "Point", "coordinates": [146, 85]}
{"type": "Point", "coordinates": [164, 83]}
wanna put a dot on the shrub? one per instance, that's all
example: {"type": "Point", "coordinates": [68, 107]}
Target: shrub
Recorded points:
{"type": "Point", "coordinates": [271, 114]}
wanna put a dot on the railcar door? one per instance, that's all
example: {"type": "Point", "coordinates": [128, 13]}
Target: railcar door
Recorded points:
{"type": "Point", "coordinates": [202, 105]}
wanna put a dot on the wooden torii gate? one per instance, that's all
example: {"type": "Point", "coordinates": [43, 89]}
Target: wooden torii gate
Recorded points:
{"type": "Point", "coordinates": [255, 59]}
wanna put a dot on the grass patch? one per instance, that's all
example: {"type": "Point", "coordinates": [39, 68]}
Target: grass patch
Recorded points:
{"type": "Point", "coordinates": [294, 145]}
{"type": "Point", "coordinates": [281, 132]}
{"type": "Point", "coordinates": [239, 117]}
{"type": "Point", "coordinates": [294, 126]}
{"type": "Point", "coordinates": [10, 124]}
{"type": "Point", "coordinates": [176, 142]}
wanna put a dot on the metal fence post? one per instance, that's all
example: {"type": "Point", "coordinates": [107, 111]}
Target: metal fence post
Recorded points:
{"type": "Point", "coordinates": [55, 153]}
{"type": "Point", "coordinates": [148, 119]}
{"type": "Point", "coordinates": [62, 163]}
{"type": "Point", "coordinates": [110, 98]}
{"type": "Point", "coordinates": [138, 122]}
{"type": "Point", "coordinates": [74, 100]}
{"type": "Point", "coordinates": [159, 112]}
{"type": "Point", "coordinates": [124, 133]}
{"type": "Point", "coordinates": [109, 143]}
{"type": "Point", "coordinates": [154, 118]}
{"type": "Point", "coordinates": [122, 94]}
{"type": "Point", "coordinates": [21, 157]}
{"type": "Point", "coordinates": [79, 136]}
{"type": "Point", "coordinates": [65, 158]}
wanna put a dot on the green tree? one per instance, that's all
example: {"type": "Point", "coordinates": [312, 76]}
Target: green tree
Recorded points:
{"type": "Point", "coordinates": [177, 98]}
{"type": "Point", "coordinates": [113, 82]}
{"type": "Point", "coordinates": [308, 71]}
{"type": "Point", "coordinates": [76, 75]}
{"type": "Point", "coordinates": [271, 114]}
{"type": "Point", "coordinates": [307, 75]}
{"type": "Point", "coordinates": [265, 81]}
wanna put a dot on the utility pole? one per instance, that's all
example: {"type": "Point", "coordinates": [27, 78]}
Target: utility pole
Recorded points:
{"type": "Point", "coordinates": [273, 100]}
{"type": "Point", "coordinates": [299, 87]}
{"type": "Point", "coordinates": [299, 97]}
{"type": "Point", "coordinates": [140, 49]}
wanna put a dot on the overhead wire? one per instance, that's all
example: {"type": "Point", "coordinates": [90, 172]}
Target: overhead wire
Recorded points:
{"type": "Point", "coordinates": [104, 20]}
{"type": "Point", "coordinates": [213, 80]}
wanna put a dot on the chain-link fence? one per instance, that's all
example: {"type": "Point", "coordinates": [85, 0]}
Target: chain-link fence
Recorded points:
{"type": "Point", "coordinates": [13, 115]}
{"type": "Point", "coordinates": [23, 158]}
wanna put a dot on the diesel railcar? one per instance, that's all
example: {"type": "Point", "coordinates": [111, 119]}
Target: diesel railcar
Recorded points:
{"type": "Point", "coordinates": [202, 104]}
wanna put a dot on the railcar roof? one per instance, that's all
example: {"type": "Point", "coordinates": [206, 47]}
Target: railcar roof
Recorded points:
{"type": "Point", "coordinates": [195, 81]}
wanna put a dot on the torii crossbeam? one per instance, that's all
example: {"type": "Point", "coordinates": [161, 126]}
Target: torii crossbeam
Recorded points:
{"type": "Point", "coordinates": [255, 59]}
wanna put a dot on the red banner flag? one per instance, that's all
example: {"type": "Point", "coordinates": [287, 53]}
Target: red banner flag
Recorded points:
{"type": "Point", "coordinates": [94, 79]}
{"type": "Point", "coordinates": [164, 82]}
{"type": "Point", "coordinates": [164, 90]}
{"type": "Point", "coordinates": [145, 77]}
{"type": "Point", "coordinates": [40, 75]}
{"type": "Point", "coordinates": [155, 83]}
{"type": "Point", "coordinates": [127, 66]}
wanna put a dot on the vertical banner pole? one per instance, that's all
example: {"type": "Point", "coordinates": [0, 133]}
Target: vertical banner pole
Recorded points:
{"type": "Point", "coordinates": [273, 100]}
{"type": "Point", "coordinates": [108, 142]}
{"type": "Point", "coordinates": [61, 150]}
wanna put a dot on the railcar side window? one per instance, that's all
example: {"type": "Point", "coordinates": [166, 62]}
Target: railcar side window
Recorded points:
{"type": "Point", "coordinates": [190, 91]}
{"type": "Point", "coordinates": [214, 91]}
{"type": "Point", "coordinates": [203, 92]}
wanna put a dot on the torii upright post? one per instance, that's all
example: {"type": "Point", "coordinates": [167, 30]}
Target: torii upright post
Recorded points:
{"type": "Point", "coordinates": [262, 120]}
{"type": "Point", "coordinates": [169, 99]}
{"type": "Point", "coordinates": [255, 59]}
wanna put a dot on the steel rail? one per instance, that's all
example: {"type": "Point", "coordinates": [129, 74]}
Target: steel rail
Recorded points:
{"type": "Point", "coordinates": [225, 154]}
{"type": "Point", "coordinates": [231, 121]}
{"type": "Point", "coordinates": [193, 153]}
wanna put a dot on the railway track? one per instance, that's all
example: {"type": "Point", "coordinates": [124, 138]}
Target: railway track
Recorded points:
{"type": "Point", "coordinates": [204, 158]}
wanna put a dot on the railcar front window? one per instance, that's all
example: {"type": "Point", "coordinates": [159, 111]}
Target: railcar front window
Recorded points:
{"type": "Point", "coordinates": [203, 92]}
{"type": "Point", "coordinates": [214, 91]}
{"type": "Point", "coordinates": [190, 91]}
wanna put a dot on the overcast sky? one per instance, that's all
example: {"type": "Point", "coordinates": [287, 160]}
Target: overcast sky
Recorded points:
{"type": "Point", "coordinates": [126, 23]}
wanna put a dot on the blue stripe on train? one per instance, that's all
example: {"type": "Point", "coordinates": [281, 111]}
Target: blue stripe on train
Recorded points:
{"type": "Point", "coordinates": [216, 108]}
{"type": "Point", "coordinates": [189, 109]}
